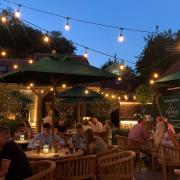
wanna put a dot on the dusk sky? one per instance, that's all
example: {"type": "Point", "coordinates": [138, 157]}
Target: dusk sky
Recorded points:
{"type": "Point", "coordinates": [139, 14]}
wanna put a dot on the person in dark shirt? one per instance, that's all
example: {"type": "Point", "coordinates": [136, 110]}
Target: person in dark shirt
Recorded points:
{"type": "Point", "coordinates": [14, 163]}
{"type": "Point", "coordinates": [61, 127]}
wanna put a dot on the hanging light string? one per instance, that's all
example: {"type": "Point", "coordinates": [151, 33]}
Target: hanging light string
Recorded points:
{"type": "Point", "coordinates": [78, 44]}
{"type": "Point", "coordinates": [79, 20]}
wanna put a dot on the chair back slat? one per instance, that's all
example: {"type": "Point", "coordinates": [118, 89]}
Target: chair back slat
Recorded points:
{"type": "Point", "coordinates": [117, 166]}
{"type": "Point", "coordinates": [42, 170]}
{"type": "Point", "coordinates": [76, 168]}
{"type": "Point", "coordinates": [128, 144]}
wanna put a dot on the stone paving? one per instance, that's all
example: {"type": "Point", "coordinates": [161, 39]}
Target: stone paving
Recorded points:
{"type": "Point", "coordinates": [144, 172]}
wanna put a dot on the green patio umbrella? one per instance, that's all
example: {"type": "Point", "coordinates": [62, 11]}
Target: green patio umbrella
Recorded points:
{"type": "Point", "coordinates": [55, 70]}
{"type": "Point", "coordinates": [80, 95]}
{"type": "Point", "coordinates": [172, 79]}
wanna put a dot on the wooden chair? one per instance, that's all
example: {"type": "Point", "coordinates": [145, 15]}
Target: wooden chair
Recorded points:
{"type": "Point", "coordinates": [169, 156]}
{"type": "Point", "coordinates": [154, 154]}
{"type": "Point", "coordinates": [127, 144]}
{"type": "Point", "coordinates": [76, 168]}
{"type": "Point", "coordinates": [177, 172]}
{"type": "Point", "coordinates": [111, 150]}
{"type": "Point", "coordinates": [116, 166]}
{"type": "Point", "coordinates": [42, 170]}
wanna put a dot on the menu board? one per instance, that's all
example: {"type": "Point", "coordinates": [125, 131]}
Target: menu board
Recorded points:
{"type": "Point", "coordinates": [169, 107]}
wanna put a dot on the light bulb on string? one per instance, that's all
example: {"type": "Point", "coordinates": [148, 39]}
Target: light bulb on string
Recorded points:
{"type": "Point", "coordinates": [3, 19]}
{"type": "Point", "coordinates": [31, 84]}
{"type": "Point", "coordinates": [3, 53]}
{"type": "Point", "coordinates": [46, 38]}
{"type": "Point", "coordinates": [151, 82]}
{"type": "Point", "coordinates": [121, 36]}
{"type": "Point", "coordinates": [155, 75]}
{"type": "Point", "coordinates": [67, 26]}
{"type": "Point", "coordinates": [51, 89]}
{"type": "Point", "coordinates": [63, 85]}
{"type": "Point", "coordinates": [125, 97]}
{"type": "Point", "coordinates": [28, 87]}
{"type": "Point", "coordinates": [86, 53]}
{"type": "Point", "coordinates": [121, 66]}
{"type": "Point", "coordinates": [42, 91]}
{"type": "Point", "coordinates": [113, 96]}
{"type": "Point", "coordinates": [17, 13]}
{"type": "Point", "coordinates": [119, 97]}
{"type": "Point", "coordinates": [15, 66]}
{"type": "Point", "coordinates": [107, 95]}
{"type": "Point", "coordinates": [30, 61]}
{"type": "Point", "coordinates": [119, 78]}
{"type": "Point", "coordinates": [86, 91]}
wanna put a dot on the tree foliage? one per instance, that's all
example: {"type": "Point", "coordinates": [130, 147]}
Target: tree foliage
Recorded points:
{"type": "Point", "coordinates": [157, 55]}
{"type": "Point", "coordinates": [13, 103]}
{"type": "Point", "coordinates": [21, 40]}
{"type": "Point", "coordinates": [144, 94]}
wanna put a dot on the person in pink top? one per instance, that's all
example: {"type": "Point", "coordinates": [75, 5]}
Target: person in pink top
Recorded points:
{"type": "Point", "coordinates": [138, 132]}
{"type": "Point", "coordinates": [170, 126]}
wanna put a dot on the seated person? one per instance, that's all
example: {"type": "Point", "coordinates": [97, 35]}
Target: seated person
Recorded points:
{"type": "Point", "coordinates": [22, 130]}
{"type": "Point", "coordinates": [79, 139]}
{"type": "Point", "coordinates": [95, 144]}
{"type": "Point", "coordinates": [95, 125]}
{"type": "Point", "coordinates": [169, 139]}
{"type": "Point", "coordinates": [14, 163]}
{"type": "Point", "coordinates": [138, 132]}
{"type": "Point", "coordinates": [161, 129]}
{"type": "Point", "coordinates": [86, 125]}
{"type": "Point", "coordinates": [61, 127]}
{"type": "Point", "coordinates": [170, 126]}
{"type": "Point", "coordinates": [46, 137]}
{"type": "Point", "coordinates": [107, 130]}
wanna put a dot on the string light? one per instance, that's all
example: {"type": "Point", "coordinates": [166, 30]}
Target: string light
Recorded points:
{"type": "Point", "coordinates": [121, 67]}
{"type": "Point", "coordinates": [86, 91]}
{"type": "Point", "coordinates": [17, 13]}
{"type": "Point", "coordinates": [67, 26]}
{"type": "Point", "coordinates": [119, 78]}
{"type": "Point", "coordinates": [3, 19]}
{"type": "Point", "coordinates": [125, 97]}
{"type": "Point", "coordinates": [119, 97]}
{"type": "Point", "coordinates": [79, 20]}
{"type": "Point", "coordinates": [51, 89]}
{"type": "Point", "coordinates": [15, 66]}
{"type": "Point", "coordinates": [155, 75]}
{"type": "Point", "coordinates": [134, 97]}
{"type": "Point", "coordinates": [46, 39]}
{"type": "Point", "coordinates": [102, 92]}
{"type": "Point", "coordinates": [151, 81]}
{"type": "Point", "coordinates": [42, 91]}
{"type": "Point", "coordinates": [113, 96]}
{"type": "Point", "coordinates": [107, 95]}
{"type": "Point", "coordinates": [31, 84]}
{"type": "Point", "coordinates": [3, 53]}
{"type": "Point", "coordinates": [94, 50]}
{"type": "Point", "coordinates": [30, 61]}
{"type": "Point", "coordinates": [63, 85]}
{"type": "Point", "coordinates": [85, 53]}
{"type": "Point", "coordinates": [28, 87]}
{"type": "Point", "coordinates": [121, 36]}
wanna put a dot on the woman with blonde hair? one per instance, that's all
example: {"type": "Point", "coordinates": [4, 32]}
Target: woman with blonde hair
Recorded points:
{"type": "Point", "coordinates": [161, 129]}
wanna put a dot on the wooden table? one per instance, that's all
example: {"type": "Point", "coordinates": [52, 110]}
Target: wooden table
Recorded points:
{"type": "Point", "coordinates": [61, 154]}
